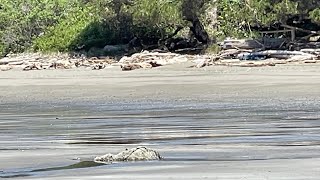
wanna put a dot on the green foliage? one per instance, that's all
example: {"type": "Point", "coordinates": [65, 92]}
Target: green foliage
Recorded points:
{"type": "Point", "coordinates": [65, 25]}
{"type": "Point", "coordinates": [213, 49]}
{"type": "Point", "coordinates": [156, 12]}
{"type": "Point", "coordinates": [155, 18]}
{"type": "Point", "coordinates": [315, 15]}
{"type": "Point", "coordinates": [61, 35]}
{"type": "Point", "coordinates": [21, 21]}
{"type": "Point", "coordinates": [236, 16]}
{"type": "Point", "coordinates": [68, 25]}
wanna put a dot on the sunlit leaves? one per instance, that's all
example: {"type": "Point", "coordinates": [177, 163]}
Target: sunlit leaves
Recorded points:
{"type": "Point", "coordinates": [236, 16]}
{"type": "Point", "coordinates": [315, 15]}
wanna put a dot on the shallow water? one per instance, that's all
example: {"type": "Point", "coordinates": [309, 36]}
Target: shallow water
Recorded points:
{"type": "Point", "coordinates": [39, 140]}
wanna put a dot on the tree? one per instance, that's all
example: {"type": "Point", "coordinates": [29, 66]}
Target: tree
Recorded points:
{"type": "Point", "coordinates": [238, 17]}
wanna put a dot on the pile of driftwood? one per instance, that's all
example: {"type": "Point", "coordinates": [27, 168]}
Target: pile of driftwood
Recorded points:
{"type": "Point", "coordinates": [252, 53]}
{"type": "Point", "coordinates": [36, 61]}
{"type": "Point", "coordinates": [242, 53]}
{"type": "Point", "coordinates": [148, 59]}
{"type": "Point", "coordinates": [143, 60]}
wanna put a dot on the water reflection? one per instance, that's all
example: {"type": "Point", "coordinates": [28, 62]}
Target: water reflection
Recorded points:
{"type": "Point", "coordinates": [79, 165]}
{"type": "Point", "coordinates": [291, 128]}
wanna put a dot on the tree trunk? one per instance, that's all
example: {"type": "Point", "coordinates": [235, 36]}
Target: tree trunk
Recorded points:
{"type": "Point", "coordinates": [190, 12]}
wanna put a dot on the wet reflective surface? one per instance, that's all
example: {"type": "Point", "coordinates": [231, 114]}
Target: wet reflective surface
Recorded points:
{"type": "Point", "coordinates": [37, 140]}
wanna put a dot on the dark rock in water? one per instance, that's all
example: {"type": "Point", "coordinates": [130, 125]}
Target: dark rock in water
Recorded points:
{"type": "Point", "coordinates": [135, 154]}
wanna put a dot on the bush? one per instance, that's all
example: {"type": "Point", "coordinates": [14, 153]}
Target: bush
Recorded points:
{"type": "Point", "coordinates": [315, 15]}
{"type": "Point", "coordinates": [21, 21]}
{"type": "Point", "coordinates": [98, 24]}
{"type": "Point", "coordinates": [61, 35]}
{"type": "Point", "coordinates": [69, 25]}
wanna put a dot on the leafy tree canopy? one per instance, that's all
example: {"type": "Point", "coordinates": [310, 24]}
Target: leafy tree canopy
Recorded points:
{"type": "Point", "coordinates": [67, 25]}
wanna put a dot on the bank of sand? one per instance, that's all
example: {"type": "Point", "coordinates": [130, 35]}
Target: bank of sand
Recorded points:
{"type": "Point", "coordinates": [287, 84]}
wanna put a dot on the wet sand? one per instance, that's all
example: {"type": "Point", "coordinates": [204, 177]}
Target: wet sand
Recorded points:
{"type": "Point", "coordinates": [211, 123]}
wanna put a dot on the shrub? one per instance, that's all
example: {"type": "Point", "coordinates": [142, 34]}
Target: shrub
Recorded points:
{"type": "Point", "coordinates": [315, 15]}
{"type": "Point", "coordinates": [23, 20]}
{"type": "Point", "coordinates": [61, 35]}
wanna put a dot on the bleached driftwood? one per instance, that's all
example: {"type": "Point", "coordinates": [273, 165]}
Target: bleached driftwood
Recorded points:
{"type": "Point", "coordinates": [242, 44]}
{"type": "Point", "coordinates": [37, 61]}
{"type": "Point", "coordinates": [300, 58]}
{"type": "Point", "coordinates": [311, 51]}
{"type": "Point", "coordinates": [203, 61]}
{"type": "Point", "coordinates": [32, 66]}
{"type": "Point", "coordinates": [5, 67]}
{"type": "Point", "coordinates": [155, 58]}
{"type": "Point", "coordinates": [279, 54]}
{"type": "Point", "coordinates": [232, 53]}
{"type": "Point", "coordinates": [130, 67]}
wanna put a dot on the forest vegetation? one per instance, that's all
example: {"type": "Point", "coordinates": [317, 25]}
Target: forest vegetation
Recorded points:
{"type": "Point", "coordinates": [81, 25]}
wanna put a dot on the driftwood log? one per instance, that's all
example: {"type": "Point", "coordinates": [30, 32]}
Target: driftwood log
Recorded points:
{"type": "Point", "coordinates": [130, 67]}
{"type": "Point", "coordinates": [242, 44]}
{"type": "Point", "coordinates": [300, 29]}
{"type": "Point", "coordinates": [5, 67]}
{"type": "Point", "coordinates": [311, 51]}
{"type": "Point", "coordinates": [277, 54]}
{"type": "Point", "coordinates": [33, 66]}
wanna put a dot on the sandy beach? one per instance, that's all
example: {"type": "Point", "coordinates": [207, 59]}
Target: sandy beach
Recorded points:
{"type": "Point", "coordinates": [212, 123]}
{"type": "Point", "coordinates": [172, 82]}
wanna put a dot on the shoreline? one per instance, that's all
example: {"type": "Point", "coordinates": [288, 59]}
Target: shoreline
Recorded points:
{"type": "Point", "coordinates": [151, 60]}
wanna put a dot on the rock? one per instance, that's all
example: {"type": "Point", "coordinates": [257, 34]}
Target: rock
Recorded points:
{"type": "Point", "coordinates": [112, 49]}
{"type": "Point", "coordinates": [135, 154]}
{"type": "Point", "coordinates": [94, 51]}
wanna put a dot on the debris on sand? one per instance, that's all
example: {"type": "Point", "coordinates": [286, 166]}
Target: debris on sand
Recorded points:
{"type": "Point", "coordinates": [251, 53]}
{"type": "Point", "coordinates": [147, 60]}
{"type": "Point", "coordinates": [240, 53]}
{"type": "Point", "coordinates": [38, 61]}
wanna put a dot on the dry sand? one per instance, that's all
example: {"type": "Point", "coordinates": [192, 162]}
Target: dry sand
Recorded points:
{"type": "Point", "coordinates": [298, 84]}
{"type": "Point", "coordinates": [173, 82]}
